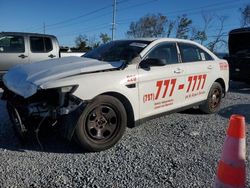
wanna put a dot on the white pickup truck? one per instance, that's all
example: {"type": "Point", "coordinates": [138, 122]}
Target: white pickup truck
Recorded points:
{"type": "Point", "coordinates": [22, 48]}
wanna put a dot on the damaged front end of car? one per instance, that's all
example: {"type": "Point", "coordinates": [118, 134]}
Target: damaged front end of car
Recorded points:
{"type": "Point", "coordinates": [57, 106]}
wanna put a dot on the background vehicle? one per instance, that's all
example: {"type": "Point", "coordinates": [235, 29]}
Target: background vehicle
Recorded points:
{"type": "Point", "coordinates": [115, 85]}
{"type": "Point", "coordinates": [221, 55]}
{"type": "Point", "coordinates": [67, 54]}
{"type": "Point", "coordinates": [239, 54]}
{"type": "Point", "coordinates": [20, 48]}
{"type": "Point", "coordinates": [66, 51]}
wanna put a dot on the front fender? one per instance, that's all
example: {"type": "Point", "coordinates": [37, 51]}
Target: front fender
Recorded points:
{"type": "Point", "coordinates": [68, 122]}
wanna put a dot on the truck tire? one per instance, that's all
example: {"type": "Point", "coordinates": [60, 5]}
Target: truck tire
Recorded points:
{"type": "Point", "coordinates": [213, 101]}
{"type": "Point", "coordinates": [101, 124]}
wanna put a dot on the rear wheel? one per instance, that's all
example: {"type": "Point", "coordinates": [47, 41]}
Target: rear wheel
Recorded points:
{"type": "Point", "coordinates": [213, 101]}
{"type": "Point", "coordinates": [102, 123]}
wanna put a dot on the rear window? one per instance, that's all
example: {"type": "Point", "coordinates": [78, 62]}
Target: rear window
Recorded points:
{"type": "Point", "coordinates": [40, 44]}
{"type": "Point", "coordinates": [11, 44]}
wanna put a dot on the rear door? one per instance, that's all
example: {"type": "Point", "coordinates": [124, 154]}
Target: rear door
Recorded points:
{"type": "Point", "coordinates": [199, 67]}
{"type": "Point", "coordinates": [42, 48]}
{"type": "Point", "coordinates": [13, 51]}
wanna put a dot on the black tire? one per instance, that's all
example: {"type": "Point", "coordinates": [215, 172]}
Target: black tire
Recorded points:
{"type": "Point", "coordinates": [17, 124]}
{"type": "Point", "coordinates": [102, 123]}
{"type": "Point", "coordinates": [213, 101]}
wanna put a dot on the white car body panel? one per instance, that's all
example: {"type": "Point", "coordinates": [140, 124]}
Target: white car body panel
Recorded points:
{"type": "Point", "coordinates": [142, 97]}
{"type": "Point", "coordinates": [92, 85]}
{"type": "Point", "coordinates": [153, 96]}
{"type": "Point", "coordinates": [26, 79]}
{"type": "Point", "coordinates": [181, 89]}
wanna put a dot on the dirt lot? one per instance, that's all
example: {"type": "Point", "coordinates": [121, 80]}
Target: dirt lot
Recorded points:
{"type": "Point", "coordinates": [177, 150]}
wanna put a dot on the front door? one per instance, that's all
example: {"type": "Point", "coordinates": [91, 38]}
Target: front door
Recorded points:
{"type": "Point", "coordinates": [161, 87]}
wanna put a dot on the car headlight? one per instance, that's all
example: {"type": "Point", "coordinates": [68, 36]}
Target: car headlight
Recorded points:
{"type": "Point", "coordinates": [68, 89]}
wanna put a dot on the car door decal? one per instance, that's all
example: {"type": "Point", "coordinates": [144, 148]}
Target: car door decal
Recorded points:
{"type": "Point", "coordinates": [193, 80]}
{"type": "Point", "coordinates": [197, 89]}
{"type": "Point", "coordinates": [223, 66]}
{"type": "Point", "coordinates": [159, 89]}
{"type": "Point", "coordinates": [164, 89]}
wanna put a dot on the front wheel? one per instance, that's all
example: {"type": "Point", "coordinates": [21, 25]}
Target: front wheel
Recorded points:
{"type": "Point", "coordinates": [102, 123]}
{"type": "Point", "coordinates": [17, 124]}
{"type": "Point", "coordinates": [213, 101]}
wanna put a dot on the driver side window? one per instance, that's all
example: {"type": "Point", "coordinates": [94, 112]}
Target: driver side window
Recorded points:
{"type": "Point", "coordinates": [165, 52]}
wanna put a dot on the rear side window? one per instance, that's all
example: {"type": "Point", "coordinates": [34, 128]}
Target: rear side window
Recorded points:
{"type": "Point", "coordinates": [40, 44]}
{"type": "Point", "coordinates": [11, 44]}
{"type": "Point", "coordinates": [192, 53]}
{"type": "Point", "coordinates": [48, 44]}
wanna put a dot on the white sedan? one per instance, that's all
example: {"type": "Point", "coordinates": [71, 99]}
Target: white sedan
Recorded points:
{"type": "Point", "coordinates": [93, 98]}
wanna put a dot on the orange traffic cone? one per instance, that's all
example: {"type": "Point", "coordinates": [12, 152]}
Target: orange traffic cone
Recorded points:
{"type": "Point", "coordinates": [231, 170]}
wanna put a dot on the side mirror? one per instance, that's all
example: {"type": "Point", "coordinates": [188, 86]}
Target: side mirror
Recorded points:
{"type": "Point", "coordinates": [152, 62]}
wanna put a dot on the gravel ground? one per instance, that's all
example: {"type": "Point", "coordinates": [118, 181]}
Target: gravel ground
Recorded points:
{"type": "Point", "coordinates": [177, 150]}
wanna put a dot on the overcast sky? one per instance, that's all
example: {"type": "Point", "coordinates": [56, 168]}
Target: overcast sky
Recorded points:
{"type": "Point", "coordinates": [68, 18]}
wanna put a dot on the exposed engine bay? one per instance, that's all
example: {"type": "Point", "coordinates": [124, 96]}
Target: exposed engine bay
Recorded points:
{"type": "Point", "coordinates": [55, 106]}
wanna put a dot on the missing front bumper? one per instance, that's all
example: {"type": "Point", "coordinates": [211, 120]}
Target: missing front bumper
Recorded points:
{"type": "Point", "coordinates": [27, 115]}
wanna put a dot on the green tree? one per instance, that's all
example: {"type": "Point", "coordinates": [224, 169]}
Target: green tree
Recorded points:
{"type": "Point", "coordinates": [199, 36]}
{"type": "Point", "coordinates": [81, 42]}
{"type": "Point", "coordinates": [150, 25]}
{"type": "Point", "coordinates": [93, 42]}
{"type": "Point", "coordinates": [183, 27]}
{"type": "Point", "coordinates": [170, 27]}
{"type": "Point", "coordinates": [245, 15]}
{"type": "Point", "coordinates": [104, 38]}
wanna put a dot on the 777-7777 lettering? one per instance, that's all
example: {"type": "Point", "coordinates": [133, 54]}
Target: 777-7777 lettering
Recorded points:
{"type": "Point", "coordinates": [159, 85]}
{"type": "Point", "coordinates": [165, 88]}
{"type": "Point", "coordinates": [194, 79]}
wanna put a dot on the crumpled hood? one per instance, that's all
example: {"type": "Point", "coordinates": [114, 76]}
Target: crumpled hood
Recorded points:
{"type": "Point", "coordinates": [25, 79]}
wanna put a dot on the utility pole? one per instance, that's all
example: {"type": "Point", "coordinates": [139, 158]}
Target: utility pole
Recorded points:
{"type": "Point", "coordinates": [113, 23]}
{"type": "Point", "coordinates": [43, 27]}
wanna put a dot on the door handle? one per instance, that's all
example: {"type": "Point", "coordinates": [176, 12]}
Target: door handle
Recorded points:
{"type": "Point", "coordinates": [22, 56]}
{"type": "Point", "coordinates": [210, 67]}
{"type": "Point", "coordinates": [51, 56]}
{"type": "Point", "coordinates": [178, 71]}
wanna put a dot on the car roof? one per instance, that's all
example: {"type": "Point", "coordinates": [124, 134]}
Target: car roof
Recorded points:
{"type": "Point", "coordinates": [154, 41]}
{"type": "Point", "coordinates": [160, 40]}
{"type": "Point", "coordinates": [26, 34]}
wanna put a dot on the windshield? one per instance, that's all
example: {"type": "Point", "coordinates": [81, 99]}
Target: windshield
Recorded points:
{"type": "Point", "coordinates": [118, 50]}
